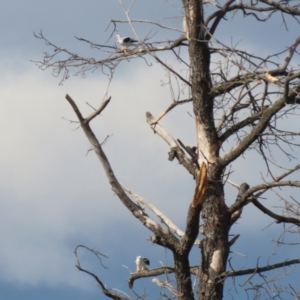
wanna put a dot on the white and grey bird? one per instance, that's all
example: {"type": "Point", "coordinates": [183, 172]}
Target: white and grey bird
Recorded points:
{"type": "Point", "coordinates": [125, 42]}
{"type": "Point", "coordinates": [141, 263]}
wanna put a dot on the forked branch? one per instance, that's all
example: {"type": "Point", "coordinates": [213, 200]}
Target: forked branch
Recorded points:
{"type": "Point", "coordinates": [107, 292]}
{"type": "Point", "coordinates": [165, 220]}
{"type": "Point", "coordinates": [266, 116]}
{"type": "Point", "coordinates": [169, 240]}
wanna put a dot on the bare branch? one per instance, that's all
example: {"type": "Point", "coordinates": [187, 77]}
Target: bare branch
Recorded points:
{"type": "Point", "coordinates": [109, 293]}
{"type": "Point", "coordinates": [174, 104]}
{"type": "Point", "coordinates": [165, 220]}
{"type": "Point", "coordinates": [165, 284]}
{"type": "Point", "coordinates": [258, 270]}
{"type": "Point", "coordinates": [106, 292]}
{"type": "Point", "coordinates": [248, 195]}
{"type": "Point", "coordinates": [294, 11]}
{"type": "Point", "coordinates": [148, 273]}
{"type": "Point", "coordinates": [266, 116]}
{"type": "Point", "coordinates": [176, 151]}
{"type": "Point", "coordinates": [147, 22]}
{"type": "Point", "coordinates": [289, 55]}
{"type": "Point", "coordinates": [171, 70]}
{"type": "Point", "coordinates": [156, 272]}
{"type": "Point", "coordinates": [170, 241]}
{"type": "Point", "coordinates": [277, 217]}
{"type": "Point", "coordinates": [97, 111]}
{"type": "Point", "coordinates": [235, 213]}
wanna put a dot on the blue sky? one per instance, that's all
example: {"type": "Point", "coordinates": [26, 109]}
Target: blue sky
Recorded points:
{"type": "Point", "coordinates": [53, 195]}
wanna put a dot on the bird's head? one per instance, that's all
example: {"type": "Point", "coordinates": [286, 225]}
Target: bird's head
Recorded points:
{"type": "Point", "coordinates": [117, 37]}
{"type": "Point", "coordinates": [138, 258]}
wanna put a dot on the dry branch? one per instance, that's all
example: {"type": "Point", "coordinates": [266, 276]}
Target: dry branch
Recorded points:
{"type": "Point", "coordinates": [176, 151]}
{"type": "Point", "coordinates": [259, 270]}
{"type": "Point", "coordinates": [156, 272]}
{"type": "Point", "coordinates": [165, 220]}
{"type": "Point", "coordinates": [170, 241]}
{"type": "Point", "coordinates": [279, 218]}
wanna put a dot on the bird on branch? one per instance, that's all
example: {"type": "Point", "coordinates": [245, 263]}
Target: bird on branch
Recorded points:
{"type": "Point", "coordinates": [125, 42]}
{"type": "Point", "coordinates": [141, 263]}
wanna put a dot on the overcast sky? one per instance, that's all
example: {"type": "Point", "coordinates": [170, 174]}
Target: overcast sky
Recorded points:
{"type": "Point", "coordinates": [53, 191]}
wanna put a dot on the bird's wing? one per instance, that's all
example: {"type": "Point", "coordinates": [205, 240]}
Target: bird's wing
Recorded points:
{"type": "Point", "coordinates": [146, 261]}
{"type": "Point", "coordinates": [128, 40]}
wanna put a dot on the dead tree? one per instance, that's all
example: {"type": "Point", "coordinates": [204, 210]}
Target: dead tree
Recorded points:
{"type": "Point", "coordinates": [244, 99]}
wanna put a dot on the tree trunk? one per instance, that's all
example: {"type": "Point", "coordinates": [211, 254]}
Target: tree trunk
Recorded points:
{"type": "Point", "coordinates": [216, 219]}
{"type": "Point", "coordinates": [215, 247]}
{"type": "Point", "coordinates": [183, 277]}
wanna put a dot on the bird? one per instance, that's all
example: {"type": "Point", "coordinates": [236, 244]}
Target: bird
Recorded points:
{"type": "Point", "coordinates": [125, 42]}
{"type": "Point", "coordinates": [141, 263]}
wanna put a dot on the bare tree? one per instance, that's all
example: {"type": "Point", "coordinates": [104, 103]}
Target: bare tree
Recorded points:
{"type": "Point", "coordinates": [239, 98]}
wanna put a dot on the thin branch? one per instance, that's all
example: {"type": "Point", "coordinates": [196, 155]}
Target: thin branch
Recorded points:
{"type": "Point", "coordinates": [147, 22]}
{"type": "Point", "coordinates": [258, 270]}
{"type": "Point", "coordinates": [285, 9]}
{"type": "Point", "coordinates": [106, 292]}
{"type": "Point", "coordinates": [172, 70]}
{"type": "Point", "coordinates": [174, 104]}
{"type": "Point", "coordinates": [261, 188]}
{"type": "Point", "coordinates": [289, 55]}
{"type": "Point", "coordinates": [266, 116]}
{"type": "Point", "coordinates": [97, 111]}
{"type": "Point", "coordinates": [97, 254]}
{"type": "Point", "coordinates": [277, 217]}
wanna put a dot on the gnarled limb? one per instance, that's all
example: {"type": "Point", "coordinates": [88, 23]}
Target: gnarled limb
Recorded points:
{"type": "Point", "coordinates": [170, 241]}
{"type": "Point", "coordinates": [107, 292]}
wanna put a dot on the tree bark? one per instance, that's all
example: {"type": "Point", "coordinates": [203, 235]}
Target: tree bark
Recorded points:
{"type": "Point", "coordinates": [183, 277]}
{"type": "Point", "coordinates": [215, 246]}
{"type": "Point", "coordinates": [216, 219]}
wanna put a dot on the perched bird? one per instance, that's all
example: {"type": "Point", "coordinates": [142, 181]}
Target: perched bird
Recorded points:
{"type": "Point", "coordinates": [125, 42]}
{"type": "Point", "coordinates": [141, 263]}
